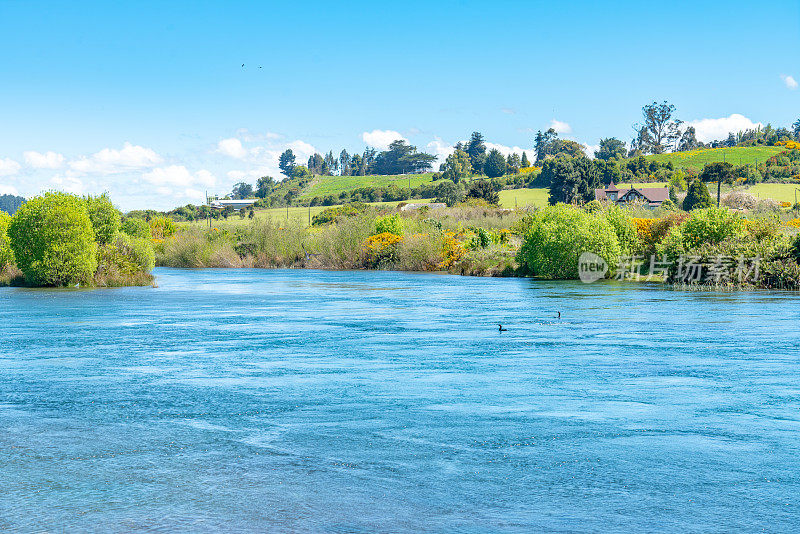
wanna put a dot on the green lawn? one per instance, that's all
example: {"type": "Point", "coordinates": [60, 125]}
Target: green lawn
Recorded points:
{"type": "Point", "coordinates": [697, 159]}
{"type": "Point", "coordinates": [333, 185]}
{"type": "Point", "coordinates": [511, 198]}
{"type": "Point", "coordinates": [779, 192]}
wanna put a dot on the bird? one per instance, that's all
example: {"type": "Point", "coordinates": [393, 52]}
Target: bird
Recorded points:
{"type": "Point", "coordinates": [501, 329]}
{"type": "Point", "coordinates": [259, 66]}
{"type": "Point", "coordinates": [242, 64]}
{"type": "Point", "coordinates": [559, 315]}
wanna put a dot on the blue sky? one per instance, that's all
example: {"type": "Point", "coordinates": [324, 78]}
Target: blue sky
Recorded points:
{"type": "Point", "coordinates": [148, 100]}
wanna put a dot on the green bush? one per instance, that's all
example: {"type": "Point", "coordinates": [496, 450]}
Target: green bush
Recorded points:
{"type": "Point", "coordinates": [135, 227]}
{"type": "Point", "coordinates": [625, 228]}
{"type": "Point", "coordinates": [138, 251]}
{"type": "Point", "coordinates": [104, 216]}
{"type": "Point", "coordinates": [329, 215]}
{"type": "Point", "coordinates": [6, 255]}
{"type": "Point", "coordinates": [53, 240]}
{"type": "Point", "coordinates": [390, 223]}
{"type": "Point", "coordinates": [558, 235]}
{"type": "Point", "coordinates": [698, 197]}
{"type": "Point", "coordinates": [162, 227]}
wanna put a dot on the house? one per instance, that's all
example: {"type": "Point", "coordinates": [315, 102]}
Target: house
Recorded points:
{"type": "Point", "coordinates": [653, 196]}
{"type": "Point", "coordinates": [416, 206]}
{"type": "Point", "coordinates": [235, 204]}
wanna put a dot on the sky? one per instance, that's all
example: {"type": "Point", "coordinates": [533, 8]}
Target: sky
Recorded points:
{"type": "Point", "coordinates": [149, 101]}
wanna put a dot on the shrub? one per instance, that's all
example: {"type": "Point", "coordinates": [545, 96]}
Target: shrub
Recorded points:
{"type": "Point", "coordinates": [104, 216]}
{"type": "Point", "coordinates": [697, 197]}
{"type": "Point", "coordinates": [329, 215]}
{"type": "Point", "coordinates": [53, 240]}
{"type": "Point", "coordinates": [483, 190]}
{"type": "Point", "coordinates": [559, 235]}
{"type": "Point", "coordinates": [136, 227]}
{"type": "Point", "coordinates": [6, 256]}
{"type": "Point", "coordinates": [162, 227]}
{"type": "Point", "coordinates": [389, 224]}
{"type": "Point", "coordinates": [703, 227]}
{"type": "Point", "coordinates": [739, 200]}
{"type": "Point", "coordinates": [381, 249]}
{"type": "Point", "coordinates": [625, 228]}
{"type": "Point", "coordinates": [137, 250]}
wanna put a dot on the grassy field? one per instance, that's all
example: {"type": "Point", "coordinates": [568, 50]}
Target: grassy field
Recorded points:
{"type": "Point", "coordinates": [511, 198]}
{"type": "Point", "coordinates": [779, 192]}
{"type": "Point", "coordinates": [696, 159]}
{"type": "Point", "coordinates": [333, 185]}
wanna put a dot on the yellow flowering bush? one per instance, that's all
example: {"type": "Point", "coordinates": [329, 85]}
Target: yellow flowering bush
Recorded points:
{"type": "Point", "coordinates": [794, 223]}
{"type": "Point", "coordinates": [785, 204]}
{"type": "Point", "coordinates": [452, 251]}
{"type": "Point", "coordinates": [381, 248]}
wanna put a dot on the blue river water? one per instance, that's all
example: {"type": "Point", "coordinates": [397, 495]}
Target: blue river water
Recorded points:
{"type": "Point", "coordinates": [312, 401]}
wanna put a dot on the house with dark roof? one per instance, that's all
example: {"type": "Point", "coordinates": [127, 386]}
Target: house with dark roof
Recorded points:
{"type": "Point", "coordinates": [653, 196]}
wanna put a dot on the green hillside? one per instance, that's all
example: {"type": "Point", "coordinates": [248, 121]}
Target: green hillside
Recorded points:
{"type": "Point", "coordinates": [333, 185]}
{"type": "Point", "coordinates": [696, 159]}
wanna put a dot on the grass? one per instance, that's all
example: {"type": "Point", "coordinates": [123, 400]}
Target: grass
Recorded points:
{"type": "Point", "coordinates": [696, 159]}
{"type": "Point", "coordinates": [333, 185]}
{"type": "Point", "coordinates": [521, 198]}
{"type": "Point", "coordinates": [779, 192]}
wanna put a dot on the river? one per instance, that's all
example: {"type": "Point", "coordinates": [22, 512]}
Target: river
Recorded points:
{"type": "Point", "coordinates": [297, 401]}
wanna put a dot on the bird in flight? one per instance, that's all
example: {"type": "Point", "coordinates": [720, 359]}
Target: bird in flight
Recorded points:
{"type": "Point", "coordinates": [242, 64]}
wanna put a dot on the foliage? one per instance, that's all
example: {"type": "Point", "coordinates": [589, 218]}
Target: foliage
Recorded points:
{"type": "Point", "coordinates": [53, 240]}
{"type": "Point", "coordinates": [6, 255]}
{"type": "Point", "coordinates": [572, 180]}
{"type": "Point", "coordinates": [126, 255]}
{"type": "Point", "coordinates": [389, 224]}
{"type": "Point", "coordinates": [739, 200]}
{"type": "Point", "coordinates": [162, 227]}
{"type": "Point", "coordinates": [381, 249]}
{"type": "Point", "coordinates": [242, 190]}
{"type": "Point", "coordinates": [559, 234]}
{"type": "Point", "coordinates": [483, 190]}
{"type": "Point", "coordinates": [625, 228]}
{"type": "Point", "coordinates": [104, 216]}
{"type": "Point", "coordinates": [658, 131]}
{"type": "Point", "coordinates": [476, 150]}
{"type": "Point", "coordinates": [329, 215]}
{"type": "Point", "coordinates": [402, 158]}
{"type": "Point", "coordinates": [286, 162]}
{"type": "Point", "coordinates": [697, 197]}
{"type": "Point", "coordinates": [457, 166]}
{"type": "Point", "coordinates": [136, 227]}
{"type": "Point", "coordinates": [450, 193]}
{"type": "Point", "coordinates": [703, 227]}
{"type": "Point", "coordinates": [611, 148]}
{"type": "Point", "coordinates": [495, 164]}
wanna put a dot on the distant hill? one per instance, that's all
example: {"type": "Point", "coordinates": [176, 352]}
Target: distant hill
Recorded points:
{"type": "Point", "coordinates": [333, 185]}
{"type": "Point", "coordinates": [10, 203]}
{"type": "Point", "coordinates": [696, 159]}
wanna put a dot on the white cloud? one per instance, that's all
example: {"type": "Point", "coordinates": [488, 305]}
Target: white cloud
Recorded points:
{"type": "Point", "coordinates": [590, 150]}
{"type": "Point", "coordinates": [381, 139]}
{"type": "Point", "coordinates": [560, 127]}
{"type": "Point", "coordinates": [178, 176]}
{"type": "Point", "coordinates": [789, 81]}
{"type": "Point", "coordinates": [68, 183]}
{"type": "Point", "coordinates": [112, 161]}
{"type": "Point", "coordinates": [711, 129]}
{"type": "Point", "coordinates": [8, 166]}
{"type": "Point", "coordinates": [440, 149]}
{"type": "Point", "coordinates": [8, 190]}
{"type": "Point", "coordinates": [48, 160]}
{"type": "Point", "coordinates": [232, 147]}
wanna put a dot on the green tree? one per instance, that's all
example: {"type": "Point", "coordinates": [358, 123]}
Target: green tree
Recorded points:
{"type": "Point", "coordinates": [483, 190]}
{"type": "Point", "coordinates": [659, 130]}
{"type": "Point", "coordinates": [457, 166]}
{"type": "Point", "coordinates": [242, 190]}
{"type": "Point", "coordinates": [796, 129]}
{"type": "Point", "coordinates": [718, 172]}
{"type": "Point", "coordinates": [53, 240]}
{"type": "Point", "coordinates": [558, 235]}
{"type": "Point", "coordinates": [402, 158]}
{"type": "Point", "coordinates": [697, 197]}
{"type": "Point", "coordinates": [286, 162]}
{"type": "Point", "coordinates": [688, 140]}
{"type": "Point", "coordinates": [449, 192]}
{"type": "Point", "coordinates": [571, 180]}
{"type": "Point", "coordinates": [135, 227]}
{"type": "Point", "coordinates": [566, 147]}
{"type": "Point", "coordinates": [104, 216]}
{"type": "Point", "coordinates": [265, 186]}
{"type": "Point", "coordinates": [525, 162]}
{"type": "Point", "coordinates": [6, 255]}
{"type": "Point", "coordinates": [476, 149]}
{"type": "Point", "coordinates": [611, 148]}
{"type": "Point", "coordinates": [495, 165]}
{"type": "Point", "coordinates": [543, 144]}
{"type": "Point", "coordinates": [513, 163]}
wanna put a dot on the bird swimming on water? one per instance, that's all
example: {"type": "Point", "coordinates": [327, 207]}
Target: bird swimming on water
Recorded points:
{"type": "Point", "coordinates": [559, 315]}
{"type": "Point", "coordinates": [501, 329]}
